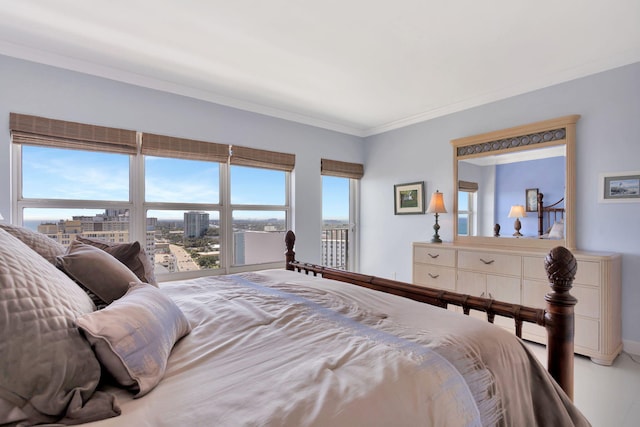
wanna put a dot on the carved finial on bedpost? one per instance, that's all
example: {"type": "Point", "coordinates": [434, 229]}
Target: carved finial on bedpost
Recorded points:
{"type": "Point", "coordinates": [561, 269]}
{"type": "Point", "coordinates": [290, 255]}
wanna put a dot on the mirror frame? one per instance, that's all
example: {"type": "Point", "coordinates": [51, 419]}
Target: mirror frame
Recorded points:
{"type": "Point", "coordinates": [521, 138]}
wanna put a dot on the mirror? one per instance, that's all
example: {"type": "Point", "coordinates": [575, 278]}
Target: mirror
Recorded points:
{"type": "Point", "coordinates": [530, 166]}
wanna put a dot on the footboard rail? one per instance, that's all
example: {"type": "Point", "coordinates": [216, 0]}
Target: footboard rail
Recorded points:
{"type": "Point", "coordinates": [557, 318]}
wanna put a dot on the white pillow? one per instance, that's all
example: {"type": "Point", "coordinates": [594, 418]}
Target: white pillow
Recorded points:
{"type": "Point", "coordinates": [557, 230]}
{"type": "Point", "coordinates": [133, 336]}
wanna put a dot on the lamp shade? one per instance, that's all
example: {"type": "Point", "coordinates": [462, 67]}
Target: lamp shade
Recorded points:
{"type": "Point", "coordinates": [517, 211]}
{"type": "Point", "coordinates": [436, 204]}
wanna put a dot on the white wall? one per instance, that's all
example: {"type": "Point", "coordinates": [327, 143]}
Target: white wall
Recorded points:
{"type": "Point", "coordinates": [40, 90]}
{"type": "Point", "coordinates": [608, 140]}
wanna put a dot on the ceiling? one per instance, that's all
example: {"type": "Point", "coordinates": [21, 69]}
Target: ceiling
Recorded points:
{"type": "Point", "coordinates": [360, 67]}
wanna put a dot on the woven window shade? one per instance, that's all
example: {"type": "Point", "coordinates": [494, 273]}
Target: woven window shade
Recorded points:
{"type": "Point", "coordinates": [34, 130]}
{"type": "Point", "coordinates": [341, 169]}
{"type": "Point", "coordinates": [243, 156]}
{"type": "Point", "coordinates": [467, 186]}
{"type": "Point", "coordinates": [181, 148]}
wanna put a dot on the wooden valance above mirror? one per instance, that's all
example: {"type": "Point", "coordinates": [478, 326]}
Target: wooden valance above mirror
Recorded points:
{"type": "Point", "coordinates": [475, 171]}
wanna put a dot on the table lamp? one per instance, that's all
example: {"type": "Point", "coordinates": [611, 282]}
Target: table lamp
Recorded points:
{"type": "Point", "coordinates": [517, 212]}
{"type": "Point", "coordinates": [436, 206]}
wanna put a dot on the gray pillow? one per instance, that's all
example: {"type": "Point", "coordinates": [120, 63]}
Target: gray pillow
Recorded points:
{"type": "Point", "coordinates": [48, 372]}
{"type": "Point", "coordinates": [43, 245]}
{"type": "Point", "coordinates": [133, 336]}
{"type": "Point", "coordinates": [96, 270]}
{"type": "Point", "coordinates": [130, 254]}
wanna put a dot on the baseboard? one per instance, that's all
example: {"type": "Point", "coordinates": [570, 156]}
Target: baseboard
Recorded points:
{"type": "Point", "coordinates": [632, 347]}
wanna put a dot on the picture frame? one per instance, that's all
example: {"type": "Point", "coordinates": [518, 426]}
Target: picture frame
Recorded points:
{"type": "Point", "coordinates": [531, 198]}
{"type": "Point", "coordinates": [409, 198]}
{"type": "Point", "coordinates": [619, 187]}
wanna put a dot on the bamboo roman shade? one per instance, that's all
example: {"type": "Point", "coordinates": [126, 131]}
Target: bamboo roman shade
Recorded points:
{"type": "Point", "coordinates": [467, 186]}
{"type": "Point", "coordinates": [34, 130]}
{"type": "Point", "coordinates": [244, 156]}
{"type": "Point", "coordinates": [181, 148]}
{"type": "Point", "coordinates": [341, 169]}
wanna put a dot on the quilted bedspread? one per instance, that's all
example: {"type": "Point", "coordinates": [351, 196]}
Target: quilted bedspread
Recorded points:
{"type": "Point", "coordinates": [278, 348]}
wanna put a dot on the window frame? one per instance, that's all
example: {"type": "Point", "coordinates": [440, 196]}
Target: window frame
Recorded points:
{"type": "Point", "coordinates": [470, 212]}
{"type": "Point", "coordinates": [138, 208]}
{"type": "Point", "coordinates": [353, 263]}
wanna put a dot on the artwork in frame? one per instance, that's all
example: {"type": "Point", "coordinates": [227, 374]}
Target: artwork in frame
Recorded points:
{"type": "Point", "coordinates": [409, 198]}
{"type": "Point", "coordinates": [531, 197]}
{"type": "Point", "coordinates": [620, 187]}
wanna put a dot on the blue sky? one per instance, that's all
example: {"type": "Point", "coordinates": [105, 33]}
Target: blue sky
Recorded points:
{"type": "Point", "coordinates": [86, 175]}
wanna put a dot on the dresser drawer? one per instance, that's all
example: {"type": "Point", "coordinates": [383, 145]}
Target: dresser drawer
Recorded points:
{"type": "Point", "coordinates": [434, 256]}
{"type": "Point", "coordinates": [490, 262]}
{"type": "Point", "coordinates": [586, 338]}
{"type": "Point", "coordinates": [533, 268]}
{"type": "Point", "coordinates": [533, 293]}
{"type": "Point", "coordinates": [588, 272]}
{"type": "Point", "coordinates": [434, 276]}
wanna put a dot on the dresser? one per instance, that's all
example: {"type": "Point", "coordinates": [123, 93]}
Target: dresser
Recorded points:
{"type": "Point", "coordinates": [518, 276]}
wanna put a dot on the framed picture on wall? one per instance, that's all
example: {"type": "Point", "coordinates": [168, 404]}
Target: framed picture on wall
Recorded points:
{"type": "Point", "coordinates": [531, 197]}
{"type": "Point", "coordinates": [409, 198]}
{"type": "Point", "coordinates": [620, 187]}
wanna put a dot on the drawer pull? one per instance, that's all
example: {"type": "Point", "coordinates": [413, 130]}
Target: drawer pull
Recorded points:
{"type": "Point", "coordinates": [434, 276]}
{"type": "Point", "coordinates": [487, 262]}
{"type": "Point", "coordinates": [433, 256]}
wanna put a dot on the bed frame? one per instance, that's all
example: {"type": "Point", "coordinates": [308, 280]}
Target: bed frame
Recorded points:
{"type": "Point", "coordinates": [549, 214]}
{"type": "Point", "coordinates": [557, 318]}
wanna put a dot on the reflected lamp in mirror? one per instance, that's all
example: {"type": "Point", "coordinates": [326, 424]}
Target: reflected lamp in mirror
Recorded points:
{"type": "Point", "coordinates": [517, 212]}
{"type": "Point", "coordinates": [436, 206]}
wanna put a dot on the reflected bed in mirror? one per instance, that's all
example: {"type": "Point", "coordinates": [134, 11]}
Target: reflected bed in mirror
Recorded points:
{"type": "Point", "coordinates": [492, 172]}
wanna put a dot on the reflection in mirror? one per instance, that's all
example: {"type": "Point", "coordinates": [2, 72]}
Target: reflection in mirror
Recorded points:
{"type": "Point", "coordinates": [488, 186]}
{"type": "Point", "coordinates": [496, 170]}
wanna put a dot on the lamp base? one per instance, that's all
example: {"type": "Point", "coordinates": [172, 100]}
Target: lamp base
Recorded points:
{"type": "Point", "coordinates": [436, 236]}
{"type": "Point", "coordinates": [517, 225]}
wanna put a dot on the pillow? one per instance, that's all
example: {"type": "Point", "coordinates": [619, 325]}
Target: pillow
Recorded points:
{"type": "Point", "coordinates": [48, 371]}
{"type": "Point", "coordinates": [43, 245]}
{"type": "Point", "coordinates": [96, 270]}
{"type": "Point", "coordinates": [134, 335]}
{"type": "Point", "coordinates": [130, 254]}
{"type": "Point", "coordinates": [557, 230]}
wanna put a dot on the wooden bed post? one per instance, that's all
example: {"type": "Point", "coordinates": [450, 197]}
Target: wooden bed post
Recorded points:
{"type": "Point", "coordinates": [289, 255]}
{"type": "Point", "coordinates": [561, 269]}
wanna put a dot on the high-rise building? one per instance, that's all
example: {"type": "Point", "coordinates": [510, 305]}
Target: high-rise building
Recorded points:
{"type": "Point", "coordinates": [196, 224]}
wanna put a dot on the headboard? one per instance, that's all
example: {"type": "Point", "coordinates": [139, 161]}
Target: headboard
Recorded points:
{"type": "Point", "coordinates": [549, 215]}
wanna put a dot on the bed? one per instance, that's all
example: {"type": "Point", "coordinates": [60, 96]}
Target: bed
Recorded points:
{"type": "Point", "coordinates": [272, 348]}
{"type": "Point", "coordinates": [550, 219]}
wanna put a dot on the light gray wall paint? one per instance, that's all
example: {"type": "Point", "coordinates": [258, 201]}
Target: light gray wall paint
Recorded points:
{"type": "Point", "coordinates": [36, 89]}
{"type": "Point", "coordinates": [608, 140]}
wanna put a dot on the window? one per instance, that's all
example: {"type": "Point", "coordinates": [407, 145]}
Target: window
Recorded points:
{"type": "Point", "coordinates": [259, 214]}
{"type": "Point", "coordinates": [58, 173]}
{"type": "Point", "coordinates": [467, 208]}
{"type": "Point", "coordinates": [181, 181]}
{"type": "Point", "coordinates": [340, 181]}
{"type": "Point", "coordinates": [185, 241]}
{"type": "Point", "coordinates": [335, 222]}
{"type": "Point", "coordinates": [196, 206]}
